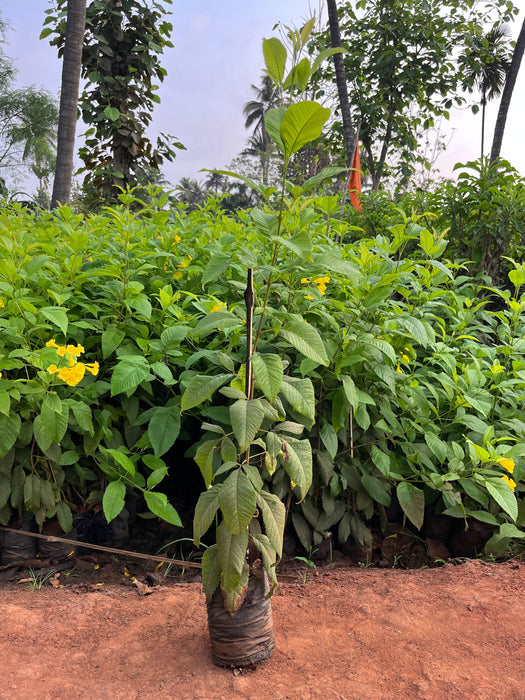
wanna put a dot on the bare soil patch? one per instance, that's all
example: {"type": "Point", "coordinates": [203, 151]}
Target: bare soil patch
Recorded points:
{"type": "Point", "coordinates": [455, 632]}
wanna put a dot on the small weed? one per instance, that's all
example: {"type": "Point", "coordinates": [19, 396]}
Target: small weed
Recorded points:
{"type": "Point", "coordinates": [37, 580]}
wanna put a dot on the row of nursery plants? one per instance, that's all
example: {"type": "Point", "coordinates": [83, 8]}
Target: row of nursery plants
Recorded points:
{"type": "Point", "coordinates": [375, 374]}
{"type": "Point", "coordinates": [312, 381]}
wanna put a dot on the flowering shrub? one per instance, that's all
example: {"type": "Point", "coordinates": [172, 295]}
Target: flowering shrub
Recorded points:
{"type": "Point", "coordinates": [401, 371]}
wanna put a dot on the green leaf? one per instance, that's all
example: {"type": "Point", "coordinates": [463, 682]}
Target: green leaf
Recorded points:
{"type": "Point", "coordinates": [32, 492]}
{"type": "Point", "coordinates": [64, 516]}
{"type": "Point", "coordinates": [121, 459]}
{"type": "Point", "coordinates": [205, 511]}
{"type": "Point", "coordinates": [381, 460]}
{"type": "Point", "coordinates": [268, 554]}
{"type": "Point", "coordinates": [130, 371]}
{"type": "Point", "coordinates": [112, 113]}
{"type": "Point", "coordinates": [43, 439]}
{"type": "Point", "coordinates": [231, 556]}
{"type": "Point", "coordinates": [376, 488]}
{"type": "Point", "coordinates": [273, 515]}
{"type": "Point", "coordinates": [300, 395]}
{"type": "Point", "coordinates": [113, 499]}
{"type": "Point", "coordinates": [10, 427]}
{"type": "Point", "coordinates": [246, 419]}
{"type": "Point", "coordinates": [268, 373]}
{"type": "Point", "coordinates": [5, 403]}
{"type": "Point", "coordinates": [237, 501]}
{"type": "Point", "coordinates": [503, 495]}
{"type": "Point", "coordinates": [163, 428]}
{"type": "Point", "coordinates": [297, 462]}
{"type": "Point", "coordinates": [299, 75]}
{"type": "Point", "coordinates": [272, 122]}
{"type": "Point", "coordinates": [58, 317]}
{"type": "Point", "coordinates": [329, 437]}
{"type": "Point", "coordinates": [83, 417]}
{"type": "Point", "coordinates": [157, 504]}
{"type": "Point", "coordinates": [437, 446]}
{"type": "Point", "coordinates": [216, 320]}
{"type": "Point", "coordinates": [303, 122]}
{"type": "Point", "coordinates": [228, 450]}
{"type": "Point", "coordinates": [47, 495]}
{"type": "Point", "coordinates": [217, 264]}
{"type": "Point", "coordinates": [412, 501]}
{"type": "Point", "coordinates": [111, 339]}
{"type": "Point", "coordinates": [156, 477]}
{"type": "Point", "coordinates": [305, 338]}
{"type": "Point", "coordinates": [211, 573]}
{"type": "Point", "coordinates": [5, 489]}
{"type": "Point", "coordinates": [274, 58]}
{"type": "Point", "coordinates": [204, 458]}
{"type": "Point", "coordinates": [200, 388]}
{"type": "Point", "coordinates": [350, 390]}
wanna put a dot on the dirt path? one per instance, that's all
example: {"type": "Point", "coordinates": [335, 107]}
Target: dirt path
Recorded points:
{"type": "Point", "coordinates": [452, 633]}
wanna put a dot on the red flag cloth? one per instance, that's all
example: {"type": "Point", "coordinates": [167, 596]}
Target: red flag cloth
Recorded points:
{"type": "Point", "coordinates": [354, 186]}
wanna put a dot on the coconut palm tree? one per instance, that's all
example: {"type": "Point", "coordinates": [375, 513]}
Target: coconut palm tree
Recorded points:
{"type": "Point", "coordinates": [486, 63]}
{"type": "Point", "coordinates": [216, 182]}
{"type": "Point", "coordinates": [190, 191]}
{"type": "Point", "coordinates": [67, 121]}
{"type": "Point", "coordinates": [510, 81]}
{"type": "Point", "coordinates": [268, 97]}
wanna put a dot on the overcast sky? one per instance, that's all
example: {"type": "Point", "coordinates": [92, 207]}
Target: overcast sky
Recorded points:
{"type": "Point", "coordinates": [217, 55]}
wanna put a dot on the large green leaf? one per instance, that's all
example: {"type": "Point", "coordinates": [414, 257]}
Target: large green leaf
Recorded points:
{"type": "Point", "coordinates": [217, 264]}
{"type": "Point", "coordinates": [57, 315]}
{"type": "Point", "coordinates": [200, 388]}
{"type": "Point", "coordinates": [205, 511]}
{"type": "Point", "coordinates": [130, 371]}
{"type": "Point", "coordinates": [300, 395]}
{"type": "Point", "coordinates": [163, 428]}
{"type": "Point", "coordinates": [157, 503]}
{"type": "Point", "coordinates": [216, 320]}
{"type": "Point", "coordinates": [272, 121]}
{"type": "Point", "coordinates": [297, 462]}
{"type": "Point", "coordinates": [32, 487]}
{"type": "Point", "coordinates": [376, 488]}
{"type": "Point", "coordinates": [211, 573]}
{"type": "Point", "coordinates": [111, 339]}
{"type": "Point", "coordinates": [10, 427]}
{"type": "Point", "coordinates": [231, 555]}
{"type": "Point", "coordinates": [305, 338]}
{"type": "Point", "coordinates": [303, 122]}
{"type": "Point", "coordinates": [273, 515]}
{"type": "Point", "coordinates": [204, 458]}
{"type": "Point", "coordinates": [237, 501]}
{"type": "Point", "coordinates": [113, 499]}
{"type": "Point", "coordinates": [268, 373]}
{"type": "Point", "coordinates": [412, 501]}
{"type": "Point", "coordinates": [274, 58]}
{"type": "Point", "coordinates": [246, 419]}
{"type": "Point", "coordinates": [64, 516]}
{"type": "Point", "coordinates": [503, 495]}
{"type": "Point", "coordinates": [268, 554]}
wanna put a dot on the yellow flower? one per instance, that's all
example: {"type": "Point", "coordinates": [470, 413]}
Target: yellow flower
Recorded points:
{"type": "Point", "coordinates": [177, 275]}
{"type": "Point", "coordinates": [74, 351]}
{"type": "Point", "coordinates": [510, 483]}
{"type": "Point", "coordinates": [92, 367]}
{"type": "Point", "coordinates": [52, 369]}
{"type": "Point", "coordinates": [1, 303]}
{"type": "Point", "coordinates": [160, 238]}
{"type": "Point", "coordinates": [308, 296]}
{"type": "Point", "coordinates": [305, 280]}
{"type": "Point", "coordinates": [61, 350]}
{"type": "Point", "coordinates": [52, 344]}
{"type": "Point", "coordinates": [507, 464]}
{"type": "Point", "coordinates": [321, 284]}
{"type": "Point", "coordinates": [184, 263]}
{"type": "Point", "coordinates": [292, 484]}
{"type": "Point", "coordinates": [405, 358]}
{"type": "Point", "coordinates": [398, 368]}
{"type": "Point", "coordinates": [220, 306]}
{"type": "Point", "coordinates": [72, 375]}
{"type": "Point", "coordinates": [177, 239]}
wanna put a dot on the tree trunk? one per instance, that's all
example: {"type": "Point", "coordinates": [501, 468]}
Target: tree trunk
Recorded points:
{"type": "Point", "coordinates": [335, 36]}
{"type": "Point", "coordinates": [510, 81]}
{"type": "Point", "coordinates": [67, 120]}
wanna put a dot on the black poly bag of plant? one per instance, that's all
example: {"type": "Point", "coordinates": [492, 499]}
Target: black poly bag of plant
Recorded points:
{"type": "Point", "coordinates": [246, 637]}
{"type": "Point", "coordinates": [113, 534]}
{"type": "Point", "coordinates": [58, 551]}
{"type": "Point", "coordinates": [17, 547]}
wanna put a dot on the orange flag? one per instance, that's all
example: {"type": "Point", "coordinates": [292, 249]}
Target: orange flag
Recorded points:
{"type": "Point", "coordinates": [354, 186]}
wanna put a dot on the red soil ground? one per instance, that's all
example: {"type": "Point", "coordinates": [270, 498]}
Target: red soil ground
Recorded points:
{"type": "Point", "coordinates": [456, 632]}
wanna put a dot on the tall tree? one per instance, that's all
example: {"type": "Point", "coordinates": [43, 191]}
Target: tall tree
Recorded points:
{"type": "Point", "coordinates": [349, 134]}
{"type": "Point", "coordinates": [508, 89]}
{"type": "Point", "coordinates": [67, 121]}
{"type": "Point", "coordinates": [402, 73]}
{"type": "Point", "coordinates": [28, 119]}
{"type": "Point", "coordinates": [486, 62]}
{"type": "Point", "coordinates": [267, 96]}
